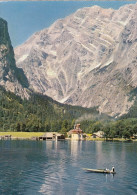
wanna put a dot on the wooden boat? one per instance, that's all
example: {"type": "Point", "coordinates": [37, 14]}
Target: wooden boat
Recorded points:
{"type": "Point", "coordinates": [99, 171]}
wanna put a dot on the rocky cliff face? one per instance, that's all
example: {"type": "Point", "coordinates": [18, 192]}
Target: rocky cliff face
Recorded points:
{"type": "Point", "coordinates": [87, 59]}
{"type": "Point", "coordinates": [11, 77]}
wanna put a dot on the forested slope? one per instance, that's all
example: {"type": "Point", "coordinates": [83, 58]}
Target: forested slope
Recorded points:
{"type": "Point", "coordinates": [39, 113]}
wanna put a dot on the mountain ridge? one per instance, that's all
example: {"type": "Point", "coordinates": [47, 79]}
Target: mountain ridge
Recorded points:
{"type": "Point", "coordinates": [89, 55]}
{"type": "Point", "coordinates": [11, 77]}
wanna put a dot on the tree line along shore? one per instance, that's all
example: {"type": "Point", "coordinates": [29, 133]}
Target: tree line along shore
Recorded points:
{"type": "Point", "coordinates": [42, 114]}
{"type": "Point", "coordinates": [125, 128]}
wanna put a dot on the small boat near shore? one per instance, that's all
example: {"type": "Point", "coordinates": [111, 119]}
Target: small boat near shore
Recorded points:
{"type": "Point", "coordinates": [100, 171]}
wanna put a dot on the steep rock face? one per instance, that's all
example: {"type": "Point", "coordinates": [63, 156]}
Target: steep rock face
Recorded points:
{"type": "Point", "coordinates": [11, 77]}
{"type": "Point", "coordinates": [87, 59]}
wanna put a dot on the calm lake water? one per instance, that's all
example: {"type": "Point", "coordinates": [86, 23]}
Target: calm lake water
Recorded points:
{"type": "Point", "coordinates": [49, 167]}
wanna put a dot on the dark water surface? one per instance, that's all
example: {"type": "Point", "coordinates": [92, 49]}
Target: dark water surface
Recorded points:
{"type": "Point", "coordinates": [49, 167]}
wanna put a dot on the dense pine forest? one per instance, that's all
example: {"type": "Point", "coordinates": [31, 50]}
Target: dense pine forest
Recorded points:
{"type": "Point", "coordinates": [41, 113]}
{"type": "Point", "coordinates": [122, 127]}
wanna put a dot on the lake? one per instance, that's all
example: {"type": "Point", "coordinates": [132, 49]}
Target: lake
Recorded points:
{"type": "Point", "coordinates": [52, 168]}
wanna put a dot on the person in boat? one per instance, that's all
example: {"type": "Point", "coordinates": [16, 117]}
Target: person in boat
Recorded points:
{"type": "Point", "coordinates": [113, 169]}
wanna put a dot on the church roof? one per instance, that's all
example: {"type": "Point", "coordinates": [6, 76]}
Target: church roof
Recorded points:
{"type": "Point", "coordinates": [75, 131]}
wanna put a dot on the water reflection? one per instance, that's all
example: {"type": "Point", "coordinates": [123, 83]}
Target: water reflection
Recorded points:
{"type": "Point", "coordinates": [61, 173]}
{"type": "Point", "coordinates": [30, 167]}
{"type": "Point", "coordinates": [75, 149]}
{"type": "Point", "coordinates": [99, 154]}
{"type": "Point", "coordinates": [107, 153]}
{"type": "Point", "coordinates": [55, 174]}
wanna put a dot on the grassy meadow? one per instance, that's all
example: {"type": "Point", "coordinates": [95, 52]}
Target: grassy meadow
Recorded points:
{"type": "Point", "coordinates": [25, 135]}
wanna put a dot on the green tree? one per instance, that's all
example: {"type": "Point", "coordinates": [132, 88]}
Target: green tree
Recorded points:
{"type": "Point", "coordinates": [126, 134]}
{"type": "Point", "coordinates": [64, 125]}
{"type": "Point", "coordinates": [97, 126]}
{"type": "Point", "coordinates": [18, 128]}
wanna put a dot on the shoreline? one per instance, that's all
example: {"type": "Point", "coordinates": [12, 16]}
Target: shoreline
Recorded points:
{"type": "Point", "coordinates": [35, 135]}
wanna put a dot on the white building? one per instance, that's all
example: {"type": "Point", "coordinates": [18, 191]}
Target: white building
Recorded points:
{"type": "Point", "coordinates": [99, 134]}
{"type": "Point", "coordinates": [76, 133]}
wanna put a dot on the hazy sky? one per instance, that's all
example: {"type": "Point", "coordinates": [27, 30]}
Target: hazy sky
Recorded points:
{"type": "Point", "coordinates": [25, 18]}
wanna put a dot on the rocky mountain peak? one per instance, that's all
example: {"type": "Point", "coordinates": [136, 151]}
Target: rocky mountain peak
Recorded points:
{"type": "Point", "coordinates": [86, 59]}
{"type": "Point", "coordinates": [11, 77]}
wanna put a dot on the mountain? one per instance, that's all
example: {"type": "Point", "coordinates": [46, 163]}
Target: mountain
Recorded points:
{"type": "Point", "coordinates": [23, 110]}
{"type": "Point", "coordinates": [11, 77]}
{"type": "Point", "coordinates": [88, 59]}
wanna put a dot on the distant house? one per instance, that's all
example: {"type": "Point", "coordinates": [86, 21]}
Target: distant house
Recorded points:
{"type": "Point", "coordinates": [59, 136]}
{"type": "Point", "coordinates": [76, 133]}
{"type": "Point", "coordinates": [99, 134]}
{"type": "Point", "coordinates": [5, 137]}
{"type": "Point", "coordinates": [47, 136]}
{"type": "Point", "coordinates": [52, 136]}
{"type": "Point", "coordinates": [134, 136]}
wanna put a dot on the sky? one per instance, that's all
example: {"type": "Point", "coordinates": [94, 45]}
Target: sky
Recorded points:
{"type": "Point", "coordinates": [26, 18]}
